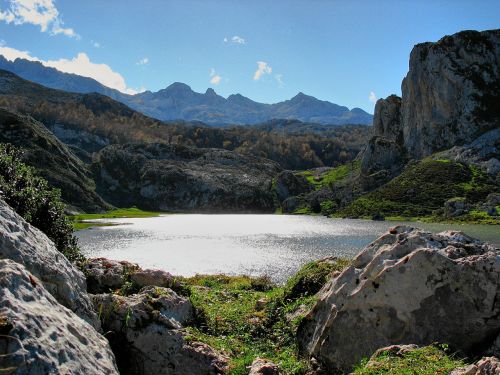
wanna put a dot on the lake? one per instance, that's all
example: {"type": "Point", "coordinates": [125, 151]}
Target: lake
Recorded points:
{"type": "Point", "coordinates": [273, 245]}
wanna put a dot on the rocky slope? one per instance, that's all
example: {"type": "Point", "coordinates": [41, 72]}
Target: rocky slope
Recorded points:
{"type": "Point", "coordinates": [448, 111]}
{"type": "Point", "coordinates": [407, 287]}
{"type": "Point", "coordinates": [52, 159]}
{"type": "Point", "coordinates": [179, 102]}
{"type": "Point", "coordinates": [449, 97]}
{"type": "Point", "coordinates": [172, 178]}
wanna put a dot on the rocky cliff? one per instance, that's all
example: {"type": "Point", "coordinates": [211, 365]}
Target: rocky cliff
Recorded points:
{"type": "Point", "coordinates": [176, 178]}
{"type": "Point", "coordinates": [449, 98]}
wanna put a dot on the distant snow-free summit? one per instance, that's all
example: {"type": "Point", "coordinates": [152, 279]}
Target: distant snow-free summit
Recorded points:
{"type": "Point", "coordinates": [179, 102]}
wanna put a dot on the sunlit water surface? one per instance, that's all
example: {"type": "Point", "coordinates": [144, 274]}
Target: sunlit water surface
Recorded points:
{"type": "Point", "coordinates": [273, 245]}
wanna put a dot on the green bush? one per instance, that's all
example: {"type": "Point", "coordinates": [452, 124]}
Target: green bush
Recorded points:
{"type": "Point", "coordinates": [33, 199]}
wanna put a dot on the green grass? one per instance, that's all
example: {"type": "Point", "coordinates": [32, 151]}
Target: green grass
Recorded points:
{"type": "Point", "coordinates": [429, 360]}
{"type": "Point", "coordinates": [320, 180]}
{"type": "Point", "coordinates": [421, 191]}
{"type": "Point", "coordinates": [81, 221]}
{"type": "Point", "coordinates": [246, 317]}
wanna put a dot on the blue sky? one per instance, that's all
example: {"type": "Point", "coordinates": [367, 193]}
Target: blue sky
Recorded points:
{"type": "Point", "coordinates": [346, 52]}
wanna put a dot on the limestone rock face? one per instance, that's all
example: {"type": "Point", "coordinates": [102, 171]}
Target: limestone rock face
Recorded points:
{"type": "Point", "coordinates": [407, 287]}
{"type": "Point", "coordinates": [288, 184]}
{"type": "Point", "coordinates": [484, 366]}
{"type": "Point", "coordinates": [451, 92]}
{"type": "Point", "coordinates": [147, 335]}
{"type": "Point", "coordinates": [172, 178]}
{"type": "Point", "coordinates": [262, 366]}
{"type": "Point", "coordinates": [25, 244]}
{"type": "Point", "coordinates": [150, 277]}
{"type": "Point", "coordinates": [106, 275]}
{"type": "Point", "coordinates": [40, 336]}
{"type": "Point", "coordinates": [387, 119]}
{"type": "Point", "coordinates": [382, 154]}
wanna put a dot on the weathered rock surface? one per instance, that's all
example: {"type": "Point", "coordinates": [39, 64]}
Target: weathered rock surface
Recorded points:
{"type": "Point", "coordinates": [147, 335]}
{"type": "Point", "coordinates": [106, 275]}
{"type": "Point", "coordinates": [289, 184]}
{"type": "Point", "coordinates": [172, 177]}
{"type": "Point", "coordinates": [485, 366]}
{"type": "Point", "coordinates": [150, 277]}
{"type": "Point", "coordinates": [40, 336]}
{"type": "Point", "coordinates": [451, 92]}
{"type": "Point", "coordinates": [52, 159]}
{"type": "Point", "coordinates": [449, 98]}
{"type": "Point", "coordinates": [407, 287]}
{"type": "Point", "coordinates": [24, 244]}
{"type": "Point", "coordinates": [261, 366]}
{"type": "Point", "coordinates": [483, 152]}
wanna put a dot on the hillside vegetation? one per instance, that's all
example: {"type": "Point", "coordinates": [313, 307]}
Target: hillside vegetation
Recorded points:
{"type": "Point", "coordinates": [422, 190]}
{"type": "Point", "coordinates": [281, 140]}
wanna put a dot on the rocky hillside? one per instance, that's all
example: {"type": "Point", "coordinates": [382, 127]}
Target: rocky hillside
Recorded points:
{"type": "Point", "coordinates": [52, 160]}
{"type": "Point", "coordinates": [179, 102]}
{"type": "Point", "coordinates": [448, 111]}
{"type": "Point", "coordinates": [177, 178]}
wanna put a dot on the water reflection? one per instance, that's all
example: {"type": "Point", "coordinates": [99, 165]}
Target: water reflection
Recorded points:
{"type": "Point", "coordinates": [275, 245]}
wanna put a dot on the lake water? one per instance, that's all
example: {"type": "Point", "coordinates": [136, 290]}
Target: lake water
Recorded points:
{"type": "Point", "coordinates": [273, 245]}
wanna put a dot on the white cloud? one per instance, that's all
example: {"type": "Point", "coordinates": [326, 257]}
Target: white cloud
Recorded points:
{"type": "Point", "coordinates": [372, 97]}
{"type": "Point", "coordinates": [235, 39]}
{"type": "Point", "coordinates": [143, 61]}
{"type": "Point", "coordinates": [279, 79]}
{"type": "Point", "coordinates": [215, 78]}
{"type": "Point", "coordinates": [238, 39]}
{"type": "Point", "coordinates": [264, 68]}
{"type": "Point", "coordinates": [96, 44]}
{"type": "Point", "coordinates": [80, 65]}
{"type": "Point", "coordinates": [41, 13]}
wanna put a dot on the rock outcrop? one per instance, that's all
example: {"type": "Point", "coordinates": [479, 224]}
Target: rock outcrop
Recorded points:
{"type": "Point", "coordinates": [40, 336]}
{"type": "Point", "coordinates": [106, 275]}
{"type": "Point", "coordinates": [173, 177]}
{"type": "Point", "coordinates": [147, 335]}
{"type": "Point", "coordinates": [484, 366]}
{"type": "Point", "coordinates": [407, 287]}
{"type": "Point", "coordinates": [24, 244]}
{"type": "Point", "coordinates": [451, 92]}
{"type": "Point", "coordinates": [261, 366]}
{"type": "Point", "coordinates": [449, 98]}
{"type": "Point", "coordinates": [52, 160]}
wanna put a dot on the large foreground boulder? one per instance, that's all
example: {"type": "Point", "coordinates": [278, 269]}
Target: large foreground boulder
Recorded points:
{"type": "Point", "coordinates": [407, 287]}
{"type": "Point", "coordinates": [25, 244]}
{"type": "Point", "coordinates": [38, 336]}
{"type": "Point", "coordinates": [147, 336]}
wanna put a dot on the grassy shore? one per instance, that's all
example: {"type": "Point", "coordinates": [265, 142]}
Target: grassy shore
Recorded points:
{"type": "Point", "coordinates": [84, 221]}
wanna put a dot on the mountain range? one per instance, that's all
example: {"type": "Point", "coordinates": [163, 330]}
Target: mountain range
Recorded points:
{"type": "Point", "coordinates": [179, 102]}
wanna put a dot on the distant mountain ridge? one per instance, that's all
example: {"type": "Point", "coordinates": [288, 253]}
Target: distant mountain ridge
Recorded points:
{"type": "Point", "coordinates": [179, 102]}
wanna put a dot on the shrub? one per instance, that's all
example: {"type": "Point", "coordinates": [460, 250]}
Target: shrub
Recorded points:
{"type": "Point", "coordinates": [33, 199]}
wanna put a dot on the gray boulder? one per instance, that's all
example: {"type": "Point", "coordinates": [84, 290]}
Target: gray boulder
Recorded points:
{"type": "Point", "coordinates": [25, 244]}
{"type": "Point", "coordinates": [484, 366]}
{"type": "Point", "coordinates": [40, 336]}
{"type": "Point", "coordinates": [407, 287]}
{"type": "Point", "coordinates": [261, 366]}
{"type": "Point", "coordinates": [106, 275]}
{"type": "Point", "coordinates": [147, 335]}
{"type": "Point", "coordinates": [387, 119]}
